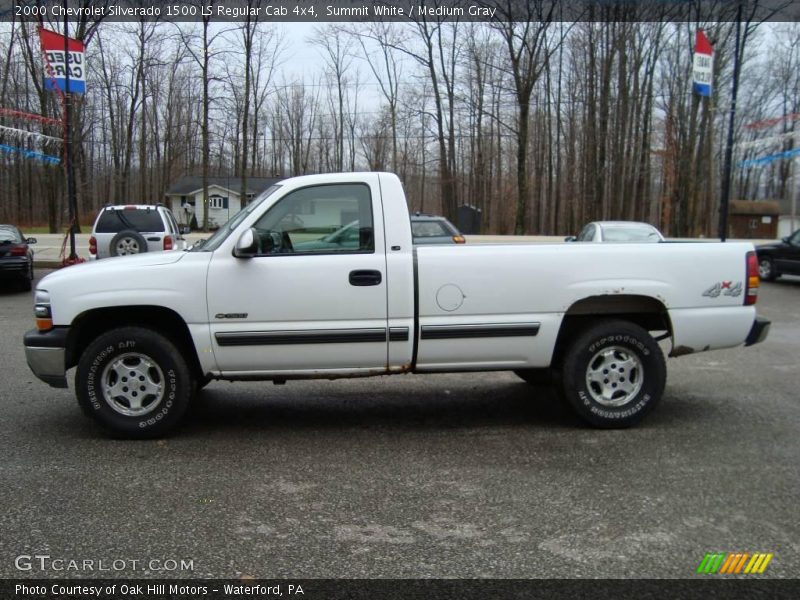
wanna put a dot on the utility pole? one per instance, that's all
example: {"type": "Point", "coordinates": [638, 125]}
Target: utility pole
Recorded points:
{"type": "Point", "coordinates": [726, 172]}
{"type": "Point", "coordinates": [72, 201]}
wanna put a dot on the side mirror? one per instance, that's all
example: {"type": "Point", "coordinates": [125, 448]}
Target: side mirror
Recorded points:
{"type": "Point", "coordinates": [785, 240]}
{"type": "Point", "coordinates": [30, 241]}
{"type": "Point", "coordinates": [246, 245]}
{"type": "Point", "coordinates": [186, 229]}
{"type": "Point", "coordinates": [570, 238]}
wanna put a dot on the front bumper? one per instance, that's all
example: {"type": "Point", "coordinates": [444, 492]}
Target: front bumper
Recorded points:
{"type": "Point", "coordinates": [758, 332]}
{"type": "Point", "coordinates": [46, 355]}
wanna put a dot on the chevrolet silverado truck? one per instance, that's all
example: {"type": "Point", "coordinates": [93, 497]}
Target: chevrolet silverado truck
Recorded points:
{"type": "Point", "coordinates": [265, 299]}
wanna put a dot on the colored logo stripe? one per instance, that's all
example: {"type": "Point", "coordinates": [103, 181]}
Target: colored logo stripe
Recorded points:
{"type": "Point", "coordinates": [711, 562]}
{"type": "Point", "coordinates": [734, 563]}
{"type": "Point", "coordinates": [758, 563]}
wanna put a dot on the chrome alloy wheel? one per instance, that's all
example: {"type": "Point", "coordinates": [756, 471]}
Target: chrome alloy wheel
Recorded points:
{"type": "Point", "coordinates": [765, 268]}
{"type": "Point", "coordinates": [133, 384]}
{"type": "Point", "coordinates": [127, 246]}
{"type": "Point", "coordinates": [614, 376]}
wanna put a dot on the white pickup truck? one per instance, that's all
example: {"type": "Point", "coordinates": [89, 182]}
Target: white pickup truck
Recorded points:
{"type": "Point", "coordinates": [318, 278]}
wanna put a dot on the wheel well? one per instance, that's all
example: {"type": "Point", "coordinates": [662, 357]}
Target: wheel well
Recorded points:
{"type": "Point", "coordinates": [645, 311]}
{"type": "Point", "coordinates": [91, 324]}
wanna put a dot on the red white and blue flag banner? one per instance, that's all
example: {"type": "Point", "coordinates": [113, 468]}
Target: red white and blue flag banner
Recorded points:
{"type": "Point", "coordinates": [703, 70]}
{"type": "Point", "coordinates": [56, 62]}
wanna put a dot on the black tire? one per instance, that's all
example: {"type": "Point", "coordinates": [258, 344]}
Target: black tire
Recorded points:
{"type": "Point", "coordinates": [127, 242]}
{"type": "Point", "coordinates": [536, 377]}
{"type": "Point", "coordinates": [766, 269]}
{"type": "Point", "coordinates": [26, 282]}
{"type": "Point", "coordinates": [635, 369]}
{"type": "Point", "coordinates": [155, 365]}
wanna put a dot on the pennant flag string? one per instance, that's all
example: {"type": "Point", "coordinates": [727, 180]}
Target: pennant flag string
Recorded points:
{"type": "Point", "coordinates": [29, 134]}
{"type": "Point", "coordinates": [52, 160]}
{"type": "Point", "coordinates": [7, 112]}
{"type": "Point", "coordinates": [765, 160]}
{"type": "Point", "coordinates": [768, 140]}
{"type": "Point", "coordinates": [772, 122]}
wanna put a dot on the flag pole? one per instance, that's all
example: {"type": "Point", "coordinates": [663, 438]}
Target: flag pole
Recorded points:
{"type": "Point", "coordinates": [72, 203]}
{"type": "Point", "coordinates": [725, 193]}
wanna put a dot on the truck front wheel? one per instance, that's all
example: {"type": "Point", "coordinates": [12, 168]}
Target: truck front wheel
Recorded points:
{"type": "Point", "coordinates": [614, 374]}
{"type": "Point", "coordinates": [134, 382]}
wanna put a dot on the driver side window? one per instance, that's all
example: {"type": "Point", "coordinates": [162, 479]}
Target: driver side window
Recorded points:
{"type": "Point", "coordinates": [322, 219]}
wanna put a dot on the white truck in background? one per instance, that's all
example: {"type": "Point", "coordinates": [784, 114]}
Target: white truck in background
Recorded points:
{"type": "Point", "coordinates": [272, 295]}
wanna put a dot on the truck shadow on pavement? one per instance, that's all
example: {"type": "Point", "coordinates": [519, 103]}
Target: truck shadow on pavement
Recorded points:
{"type": "Point", "coordinates": [514, 405]}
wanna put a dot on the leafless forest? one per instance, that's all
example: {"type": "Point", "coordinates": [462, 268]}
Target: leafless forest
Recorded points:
{"type": "Point", "coordinates": [542, 124]}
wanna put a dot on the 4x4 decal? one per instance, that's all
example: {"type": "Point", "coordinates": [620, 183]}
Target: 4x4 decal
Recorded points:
{"type": "Point", "coordinates": [724, 288]}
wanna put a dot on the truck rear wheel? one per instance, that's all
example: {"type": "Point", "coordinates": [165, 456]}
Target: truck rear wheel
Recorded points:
{"type": "Point", "coordinates": [134, 382]}
{"type": "Point", "coordinates": [613, 374]}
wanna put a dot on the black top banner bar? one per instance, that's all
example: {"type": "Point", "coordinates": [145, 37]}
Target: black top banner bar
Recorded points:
{"type": "Point", "coordinates": [400, 10]}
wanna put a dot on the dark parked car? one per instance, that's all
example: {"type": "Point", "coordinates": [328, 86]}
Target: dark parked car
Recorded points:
{"type": "Point", "coordinates": [779, 258]}
{"type": "Point", "coordinates": [16, 256]}
{"type": "Point", "coordinates": [432, 229]}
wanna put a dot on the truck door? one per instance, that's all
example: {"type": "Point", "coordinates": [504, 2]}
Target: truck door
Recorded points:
{"type": "Point", "coordinates": [314, 297]}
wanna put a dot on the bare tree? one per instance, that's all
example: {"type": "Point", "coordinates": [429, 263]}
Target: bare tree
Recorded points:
{"type": "Point", "coordinates": [530, 46]}
{"type": "Point", "coordinates": [336, 51]}
{"type": "Point", "coordinates": [200, 49]}
{"type": "Point", "coordinates": [386, 68]}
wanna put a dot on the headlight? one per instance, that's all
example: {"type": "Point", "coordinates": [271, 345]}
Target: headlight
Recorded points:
{"type": "Point", "coordinates": [41, 310]}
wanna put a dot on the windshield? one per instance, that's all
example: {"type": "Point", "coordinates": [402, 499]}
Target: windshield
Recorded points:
{"type": "Point", "coordinates": [630, 234]}
{"type": "Point", "coordinates": [221, 234]}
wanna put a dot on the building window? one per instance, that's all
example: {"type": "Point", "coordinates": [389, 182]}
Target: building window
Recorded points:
{"type": "Point", "coordinates": [217, 201]}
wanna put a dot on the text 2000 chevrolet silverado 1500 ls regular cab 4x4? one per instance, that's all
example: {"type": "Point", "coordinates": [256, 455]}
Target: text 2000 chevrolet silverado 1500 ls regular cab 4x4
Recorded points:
{"type": "Point", "coordinates": [282, 291]}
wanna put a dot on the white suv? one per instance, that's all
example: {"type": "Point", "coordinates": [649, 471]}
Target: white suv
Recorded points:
{"type": "Point", "coordinates": [133, 229]}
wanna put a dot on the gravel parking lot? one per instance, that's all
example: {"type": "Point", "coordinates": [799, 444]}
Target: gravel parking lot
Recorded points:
{"type": "Point", "coordinates": [474, 475]}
